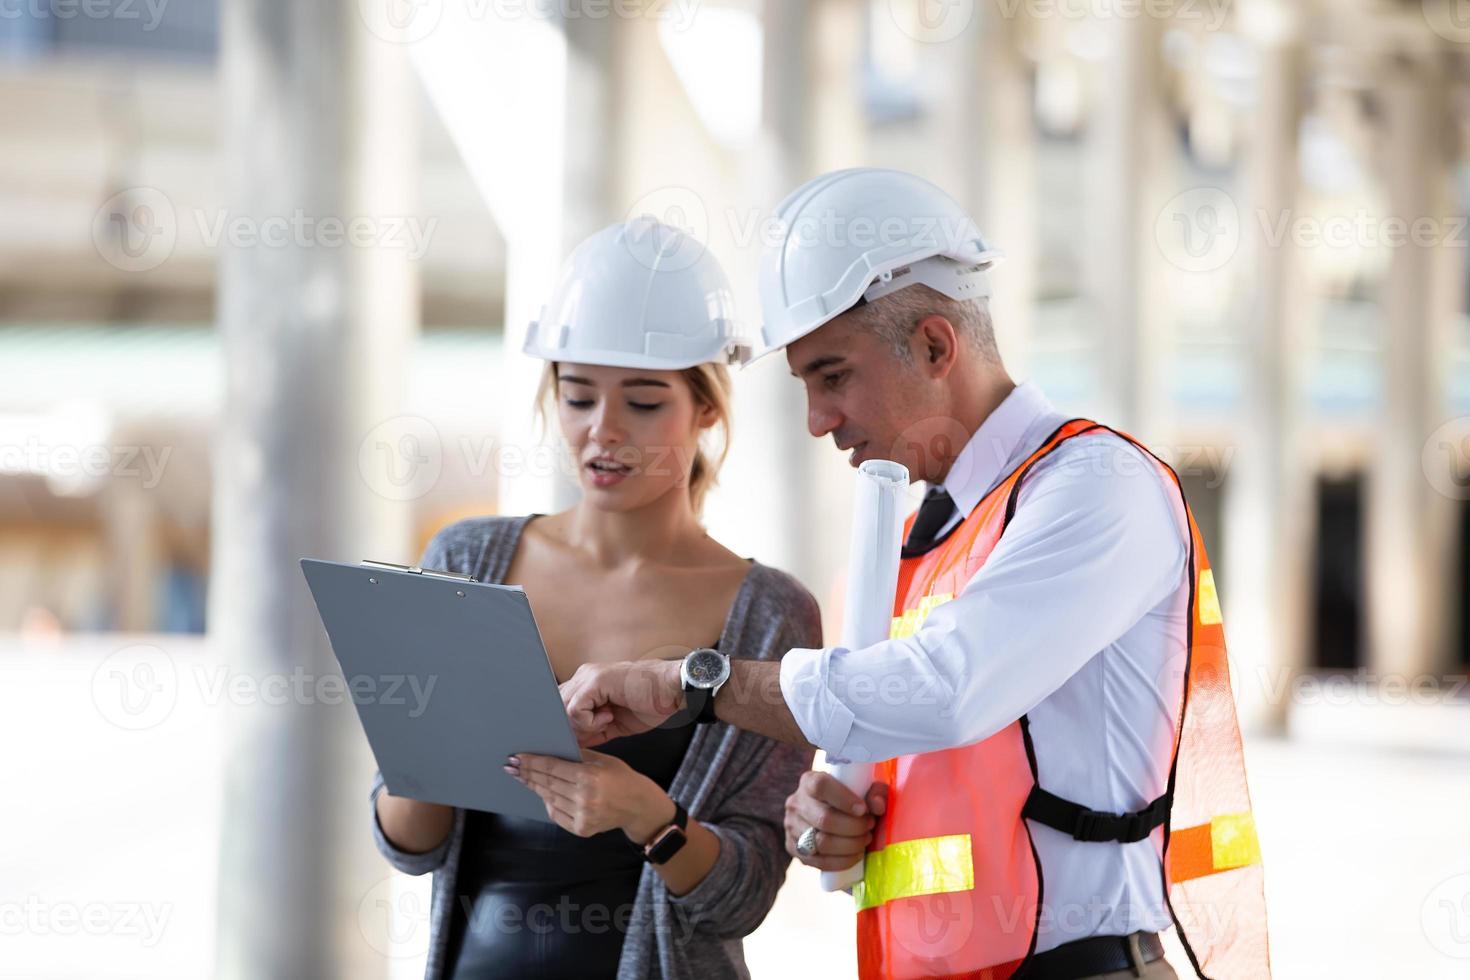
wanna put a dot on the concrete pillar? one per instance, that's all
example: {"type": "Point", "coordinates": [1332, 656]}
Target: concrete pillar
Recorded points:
{"type": "Point", "coordinates": [1410, 541]}
{"type": "Point", "coordinates": [771, 406]}
{"type": "Point", "coordinates": [1268, 508]}
{"type": "Point", "coordinates": [838, 119]}
{"type": "Point", "coordinates": [839, 139]}
{"type": "Point", "coordinates": [135, 559]}
{"type": "Point", "coordinates": [1127, 159]}
{"type": "Point", "coordinates": [594, 133]}
{"type": "Point", "coordinates": [540, 160]}
{"type": "Point", "coordinates": [981, 123]}
{"type": "Point", "coordinates": [579, 191]}
{"type": "Point", "coordinates": [317, 122]}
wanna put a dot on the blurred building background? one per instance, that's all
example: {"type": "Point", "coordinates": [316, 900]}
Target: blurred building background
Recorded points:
{"type": "Point", "coordinates": [264, 274]}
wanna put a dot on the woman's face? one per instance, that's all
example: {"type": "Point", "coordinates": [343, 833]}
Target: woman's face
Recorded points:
{"type": "Point", "coordinates": [634, 433]}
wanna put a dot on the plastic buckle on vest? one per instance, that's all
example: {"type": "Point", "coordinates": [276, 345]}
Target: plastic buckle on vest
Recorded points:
{"type": "Point", "coordinates": [1095, 826]}
{"type": "Point", "coordinates": [1136, 826]}
{"type": "Point", "coordinates": [1090, 826]}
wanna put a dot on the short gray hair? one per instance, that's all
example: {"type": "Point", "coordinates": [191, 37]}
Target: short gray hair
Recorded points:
{"type": "Point", "coordinates": [894, 317]}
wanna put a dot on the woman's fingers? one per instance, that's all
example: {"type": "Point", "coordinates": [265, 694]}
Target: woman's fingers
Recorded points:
{"type": "Point", "coordinates": [565, 811]}
{"type": "Point", "coordinates": [560, 817]}
{"type": "Point", "coordinates": [568, 815]}
{"type": "Point", "coordinates": [550, 789]}
{"type": "Point", "coordinates": [548, 766]}
{"type": "Point", "coordinates": [546, 786]}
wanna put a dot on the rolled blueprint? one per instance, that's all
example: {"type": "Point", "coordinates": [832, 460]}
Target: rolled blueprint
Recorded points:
{"type": "Point", "coordinates": [867, 611]}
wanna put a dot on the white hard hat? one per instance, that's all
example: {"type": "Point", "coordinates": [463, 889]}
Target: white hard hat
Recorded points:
{"type": "Point", "coordinates": [639, 294]}
{"type": "Point", "coordinates": [854, 235]}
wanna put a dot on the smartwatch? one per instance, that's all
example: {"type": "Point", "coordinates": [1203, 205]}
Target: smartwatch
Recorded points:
{"type": "Point", "coordinates": [667, 842]}
{"type": "Point", "coordinates": [702, 674]}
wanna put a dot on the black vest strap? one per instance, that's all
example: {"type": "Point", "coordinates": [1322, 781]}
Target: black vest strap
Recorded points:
{"type": "Point", "coordinates": [1083, 824]}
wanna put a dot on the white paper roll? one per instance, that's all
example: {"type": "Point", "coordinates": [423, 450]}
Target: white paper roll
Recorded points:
{"type": "Point", "coordinates": [867, 612]}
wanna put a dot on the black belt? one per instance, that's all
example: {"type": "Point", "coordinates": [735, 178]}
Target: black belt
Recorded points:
{"type": "Point", "coordinates": [1094, 955]}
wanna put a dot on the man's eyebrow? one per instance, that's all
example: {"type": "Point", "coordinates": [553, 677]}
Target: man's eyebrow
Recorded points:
{"type": "Point", "coordinates": [825, 361]}
{"type": "Point", "coordinates": [629, 383]}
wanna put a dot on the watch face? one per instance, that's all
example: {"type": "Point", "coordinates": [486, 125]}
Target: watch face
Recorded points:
{"type": "Point", "coordinates": [705, 668]}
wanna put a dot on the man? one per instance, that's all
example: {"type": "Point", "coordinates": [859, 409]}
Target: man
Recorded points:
{"type": "Point", "coordinates": [1063, 775]}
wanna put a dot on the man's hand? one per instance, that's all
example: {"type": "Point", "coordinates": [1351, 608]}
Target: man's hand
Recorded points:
{"type": "Point", "coordinates": [607, 701]}
{"type": "Point", "coordinates": [844, 821]}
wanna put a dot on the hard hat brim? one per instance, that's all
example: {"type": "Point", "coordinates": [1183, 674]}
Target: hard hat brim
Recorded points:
{"type": "Point", "coordinates": [853, 292]}
{"type": "Point", "coordinates": [731, 354]}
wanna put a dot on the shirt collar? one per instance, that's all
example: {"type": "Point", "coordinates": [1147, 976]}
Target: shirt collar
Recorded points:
{"type": "Point", "coordinates": [991, 453]}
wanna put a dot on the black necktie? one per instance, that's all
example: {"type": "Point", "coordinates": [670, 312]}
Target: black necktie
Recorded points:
{"type": "Point", "coordinates": [934, 513]}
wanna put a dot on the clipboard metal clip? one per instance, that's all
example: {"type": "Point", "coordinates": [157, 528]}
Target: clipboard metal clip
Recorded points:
{"type": "Point", "coordinates": [416, 570]}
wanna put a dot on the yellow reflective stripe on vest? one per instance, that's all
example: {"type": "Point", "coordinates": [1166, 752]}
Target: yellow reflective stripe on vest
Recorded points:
{"type": "Point", "coordinates": [1233, 842]}
{"type": "Point", "coordinates": [1209, 599]}
{"type": "Point", "coordinates": [908, 624]}
{"type": "Point", "coordinates": [929, 866]}
{"type": "Point", "coordinates": [1227, 842]}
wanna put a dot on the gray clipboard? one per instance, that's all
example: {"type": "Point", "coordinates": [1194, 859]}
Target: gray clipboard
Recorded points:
{"type": "Point", "coordinates": [449, 676]}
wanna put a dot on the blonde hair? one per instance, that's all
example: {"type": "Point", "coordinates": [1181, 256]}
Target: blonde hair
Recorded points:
{"type": "Point", "coordinates": [710, 385]}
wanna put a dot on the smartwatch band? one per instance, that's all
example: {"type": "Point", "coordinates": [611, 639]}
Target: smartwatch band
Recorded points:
{"type": "Point", "coordinates": [670, 840]}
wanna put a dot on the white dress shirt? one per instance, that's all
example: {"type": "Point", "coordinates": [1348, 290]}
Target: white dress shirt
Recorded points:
{"type": "Point", "coordinates": [1077, 619]}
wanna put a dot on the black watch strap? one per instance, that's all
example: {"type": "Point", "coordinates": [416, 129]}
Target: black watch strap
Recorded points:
{"type": "Point", "coordinates": [671, 839]}
{"type": "Point", "coordinates": [701, 704]}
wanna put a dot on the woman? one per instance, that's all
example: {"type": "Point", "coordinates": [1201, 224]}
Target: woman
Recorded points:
{"type": "Point", "coordinates": [635, 338]}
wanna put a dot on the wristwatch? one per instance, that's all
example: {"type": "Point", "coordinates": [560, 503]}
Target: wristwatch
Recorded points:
{"type": "Point", "coordinates": [667, 842]}
{"type": "Point", "coordinates": [702, 674]}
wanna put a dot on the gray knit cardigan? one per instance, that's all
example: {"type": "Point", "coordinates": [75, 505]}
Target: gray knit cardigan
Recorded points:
{"type": "Point", "coordinates": [734, 782]}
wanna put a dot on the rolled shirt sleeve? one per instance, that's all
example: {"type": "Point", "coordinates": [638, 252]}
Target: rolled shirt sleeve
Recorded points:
{"type": "Point", "coordinates": [1096, 542]}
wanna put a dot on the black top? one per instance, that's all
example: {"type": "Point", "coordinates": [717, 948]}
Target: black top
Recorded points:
{"type": "Point", "coordinates": [544, 902]}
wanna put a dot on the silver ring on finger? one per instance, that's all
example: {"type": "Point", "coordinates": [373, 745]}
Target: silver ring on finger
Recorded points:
{"type": "Point", "coordinates": [806, 844]}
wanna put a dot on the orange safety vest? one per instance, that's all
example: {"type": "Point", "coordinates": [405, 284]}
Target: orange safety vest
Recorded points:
{"type": "Point", "coordinates": [952, 886]}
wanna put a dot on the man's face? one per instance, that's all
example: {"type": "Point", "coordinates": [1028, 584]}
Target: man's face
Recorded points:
{"type": "Point", "coordinates": [860, 392]}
